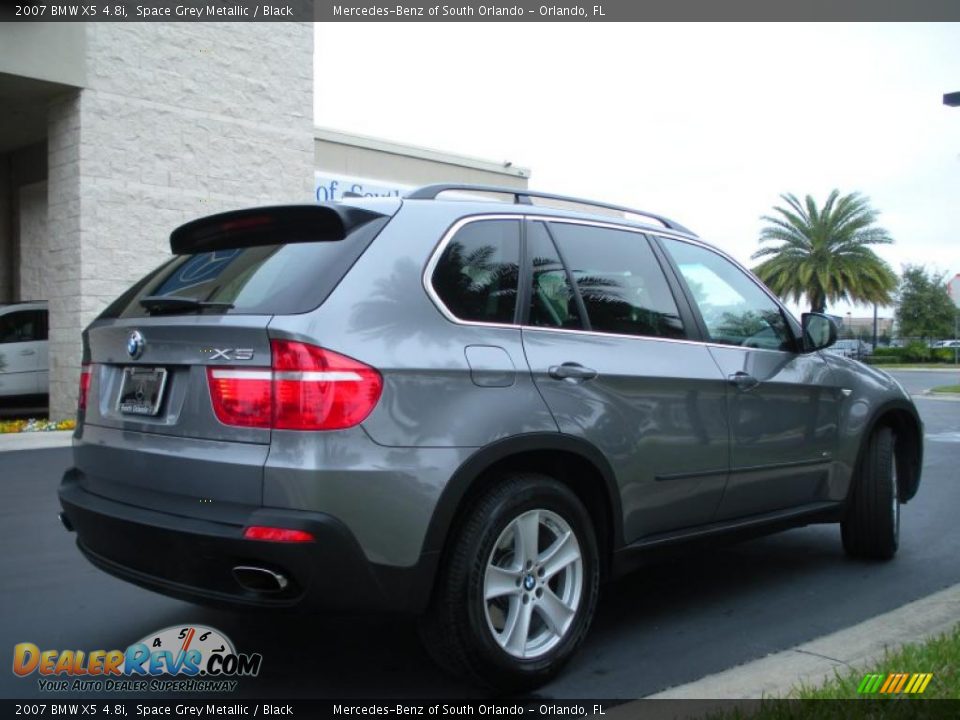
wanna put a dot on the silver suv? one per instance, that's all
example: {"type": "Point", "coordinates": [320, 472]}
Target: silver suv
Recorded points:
{"type": "Point", "coordinates": [473, 412]}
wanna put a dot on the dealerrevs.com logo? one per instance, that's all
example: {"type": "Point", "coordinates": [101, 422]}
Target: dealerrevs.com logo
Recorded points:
{"type": "Point", "coordinates": [176, 659]}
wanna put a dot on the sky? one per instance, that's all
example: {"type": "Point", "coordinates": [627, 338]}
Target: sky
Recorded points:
{"type": "Point", "coordinates": [704, 123]}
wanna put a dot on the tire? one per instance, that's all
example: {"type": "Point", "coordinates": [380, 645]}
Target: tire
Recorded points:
{"type": "Point", "coordinates": [871, 527]}
{"type": "Point", "coordinates": [485, 593]}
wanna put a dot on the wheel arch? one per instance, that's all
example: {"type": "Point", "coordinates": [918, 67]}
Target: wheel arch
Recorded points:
{"type": "Point", "coordinates": [570, 460]}
{"type": "Point", "coordinates": [902, 418]}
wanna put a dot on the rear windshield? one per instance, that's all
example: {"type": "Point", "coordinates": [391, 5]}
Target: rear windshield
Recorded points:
{"type": "Point", "coordinates": [282, 279]}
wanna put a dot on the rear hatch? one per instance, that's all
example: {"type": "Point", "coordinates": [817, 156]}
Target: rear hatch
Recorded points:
{"type": "Point", "coordinates": [151, 434]}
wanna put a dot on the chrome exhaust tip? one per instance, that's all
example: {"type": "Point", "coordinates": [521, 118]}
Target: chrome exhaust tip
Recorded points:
{"type": "Point", "coordinates": [65, 521]}
{"type": "Point", "coordinates": [260, 579]}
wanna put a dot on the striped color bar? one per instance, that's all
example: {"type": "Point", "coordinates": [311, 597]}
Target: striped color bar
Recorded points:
{"type": "Point", "coordinates": [894, 683]}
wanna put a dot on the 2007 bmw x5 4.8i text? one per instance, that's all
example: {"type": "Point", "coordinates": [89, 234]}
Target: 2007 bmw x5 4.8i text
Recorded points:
{"type": "Point", "coordinates": [469, 411]}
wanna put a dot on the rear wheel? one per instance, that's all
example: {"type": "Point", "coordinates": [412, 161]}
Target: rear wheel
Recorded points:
{"type": "Point", "coordinates": [871, 528]}
{"type": "Point", "coordinates": [519, 588]}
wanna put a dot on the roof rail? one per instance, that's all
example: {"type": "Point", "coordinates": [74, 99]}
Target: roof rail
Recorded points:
{"type": "Point", "coordinates": [522, 197]}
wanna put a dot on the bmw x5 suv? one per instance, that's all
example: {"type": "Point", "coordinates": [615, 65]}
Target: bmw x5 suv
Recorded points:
{"type": "Point", "coordinates": [473, 412]}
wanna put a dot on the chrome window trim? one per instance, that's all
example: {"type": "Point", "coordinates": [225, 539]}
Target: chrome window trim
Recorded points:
{"type": "Point", "coordinates": [453, 229]}
{"type": "Point", "coordinates": [435, 259]}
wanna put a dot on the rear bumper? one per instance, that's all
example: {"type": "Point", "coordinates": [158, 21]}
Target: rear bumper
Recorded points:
{"type": "Point", "coordinates": [193, 559]}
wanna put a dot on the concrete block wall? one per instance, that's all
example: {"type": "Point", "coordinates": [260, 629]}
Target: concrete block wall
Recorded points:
{"type": "Point", "coordinates": [33, 240]}
{"type": "Point", "coordinates": [177, 121]}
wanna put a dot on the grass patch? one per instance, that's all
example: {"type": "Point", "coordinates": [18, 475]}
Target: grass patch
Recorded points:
{"type": "Point", "coordinates": [940, 656]}
{"type": "Point", "coordinates": [838, 699]}
{"type": "Point", "coordinates": [946, 389]}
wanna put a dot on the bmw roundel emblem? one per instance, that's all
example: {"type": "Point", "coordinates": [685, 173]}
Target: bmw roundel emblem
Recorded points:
{"type": "Point", "coordinates": [135, 344]}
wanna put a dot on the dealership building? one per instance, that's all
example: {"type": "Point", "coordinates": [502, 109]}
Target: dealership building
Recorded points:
{"type": "Point", "coordinates": [112, 134]}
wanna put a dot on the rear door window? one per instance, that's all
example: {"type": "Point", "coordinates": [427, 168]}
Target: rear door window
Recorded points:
{"type": "Point", "coordinates": [476, 276]}
{"type": "Point", "coordinates": [620, 281]}
{"type": "Point", "coordinates": [552, 300]}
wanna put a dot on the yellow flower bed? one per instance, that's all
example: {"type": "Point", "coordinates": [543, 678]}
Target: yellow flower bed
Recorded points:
{"type": "Point", "coordinates": [33, 425]}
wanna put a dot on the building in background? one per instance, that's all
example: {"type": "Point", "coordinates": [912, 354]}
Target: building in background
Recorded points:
{"type": "Point", "coordinates": [953, 287]}
{"type": "Point", "coordinates": [112, 134]}
{"type": "Point", "coordinates": [862, 328]}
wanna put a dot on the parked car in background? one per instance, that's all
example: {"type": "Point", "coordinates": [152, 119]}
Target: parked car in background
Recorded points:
{"type": "Point", "coordinates": [23, 350]}
{"type": "Point", "coordinates": [851, 348]}
{"type": "Point", "coordinates": [472, 412]}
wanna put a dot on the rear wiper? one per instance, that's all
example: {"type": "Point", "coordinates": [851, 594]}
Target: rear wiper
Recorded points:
{"type": "Point", "coordinates": [172, 303]}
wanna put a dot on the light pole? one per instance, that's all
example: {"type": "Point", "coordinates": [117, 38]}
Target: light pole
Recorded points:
{"type": "Point", "coordinates": [953, 100]}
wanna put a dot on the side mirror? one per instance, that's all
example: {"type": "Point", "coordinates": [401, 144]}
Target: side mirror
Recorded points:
{"type": "Point", "coordinates": [819, 331]}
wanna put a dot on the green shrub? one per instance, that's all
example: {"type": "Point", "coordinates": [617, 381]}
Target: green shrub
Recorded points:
{"type": "Point", "coordinates": [889, 352]}
{"type": "Point", "coordinates": [881, 360]}
{"type": "Point", "coordinates": [916, 352]}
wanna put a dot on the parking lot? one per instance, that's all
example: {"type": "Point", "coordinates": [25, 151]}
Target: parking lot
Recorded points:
{"type": "Point", "coordinates": [665, 625]}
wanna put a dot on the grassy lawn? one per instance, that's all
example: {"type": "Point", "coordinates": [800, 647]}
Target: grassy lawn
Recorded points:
{"type": "Point", "coordinates": [946, 389]}
{"type": "Point", "coordinates": [940, 656]}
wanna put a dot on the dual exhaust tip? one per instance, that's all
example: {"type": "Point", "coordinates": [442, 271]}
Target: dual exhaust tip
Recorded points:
{"type": "Point", "coordinates": [249, 577]}
{"type": "Point", "coordinates": [260, 580]}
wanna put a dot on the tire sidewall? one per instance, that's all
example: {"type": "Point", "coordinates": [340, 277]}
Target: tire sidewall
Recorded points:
{"type": "Point", "coordinates": [545, 494]}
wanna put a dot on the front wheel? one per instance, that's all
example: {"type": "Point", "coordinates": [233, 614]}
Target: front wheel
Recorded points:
{"type": "Point", "coordinates": [519, 588]}
{"type": "Point", "coordinates": [871, 528]}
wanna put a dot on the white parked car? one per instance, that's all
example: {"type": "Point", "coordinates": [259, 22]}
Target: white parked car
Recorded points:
{"type": "Point", "coordinates": [851, 348]}
{"type": "Point", "coordinates": [23, 350]}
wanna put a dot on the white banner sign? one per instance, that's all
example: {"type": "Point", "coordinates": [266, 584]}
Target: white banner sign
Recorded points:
{"type": "Point", "coordinates": [328, 188]}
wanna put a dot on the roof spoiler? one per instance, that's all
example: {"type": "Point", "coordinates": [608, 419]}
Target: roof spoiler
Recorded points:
{"type": "Point", "coordinates": [269, 226]}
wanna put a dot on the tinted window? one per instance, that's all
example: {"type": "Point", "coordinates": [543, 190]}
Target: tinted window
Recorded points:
{"type": "Point", "coordinates": [42, 322]}
{"type": "Point", "coordinates": [281, 279]}
{"type": "Point", "coordinates": [735, 310]}
{"type": "Point", "coordinates": [21, 326]}
{"type": "Point", "coordinates": [476, 277]}
{"type": "Point", "coordinates": [552, 303]}
{"type": "Point", "coordinates": [621, 282]}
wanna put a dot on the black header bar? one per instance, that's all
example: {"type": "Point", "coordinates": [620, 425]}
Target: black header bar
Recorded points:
{"type": "Point", "coordinates": [471, 11]}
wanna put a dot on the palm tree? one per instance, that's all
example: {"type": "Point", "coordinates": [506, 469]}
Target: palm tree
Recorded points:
{"type": "Point", "coordinates": [824, 255]}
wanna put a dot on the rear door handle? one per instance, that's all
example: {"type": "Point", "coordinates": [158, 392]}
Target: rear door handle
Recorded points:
{"type": "Point", "coordinates": [28, 352]}
{"type": "Point", "coordinates": [743, 381]}
{"type": "Point", "coordinates": [572, 371]}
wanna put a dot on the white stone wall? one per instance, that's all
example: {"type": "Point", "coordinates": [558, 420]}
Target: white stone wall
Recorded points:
{"type": "Point", "coordinates": [6, 232]}
{"type": "Point", "coordinates": [33, 241]}
{"type": "Point", "coordinates": [178, 121]}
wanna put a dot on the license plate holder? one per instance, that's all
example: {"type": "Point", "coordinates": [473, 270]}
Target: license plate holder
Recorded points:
{"type": "Point", "coordinates": [141, 390]}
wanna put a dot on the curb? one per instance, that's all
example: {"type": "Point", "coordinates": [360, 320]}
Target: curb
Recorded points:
{"type": "Point", "coordinates": [927, 395]}
{"type": "Point", "coordinates": [10, 442]}
{"type": "Point", "coordinates": [916, 369]}
{"type": "Point", "coordinates": [856, 647]}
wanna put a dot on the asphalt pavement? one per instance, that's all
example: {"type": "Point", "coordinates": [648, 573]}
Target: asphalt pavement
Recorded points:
{"type": "Point", "coordinates": [666, 625]}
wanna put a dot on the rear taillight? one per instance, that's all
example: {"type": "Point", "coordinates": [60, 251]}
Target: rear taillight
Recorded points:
{"type": "Point", "coordinates": [275, 534]}
{"type": "Point", "coordinates": [307, 388]}
{"type": "Point", "coordinates": [86, 372]}
{"type": "Point", "coordinates": [242, 397]}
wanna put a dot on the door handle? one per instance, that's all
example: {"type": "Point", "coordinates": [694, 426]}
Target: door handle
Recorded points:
{"type": "Point", "coordinates": [28, 352]}
{"type": "Point", "coordinates": [743, 381]}
{"type": "Point", "coordinates": [572, 371]}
